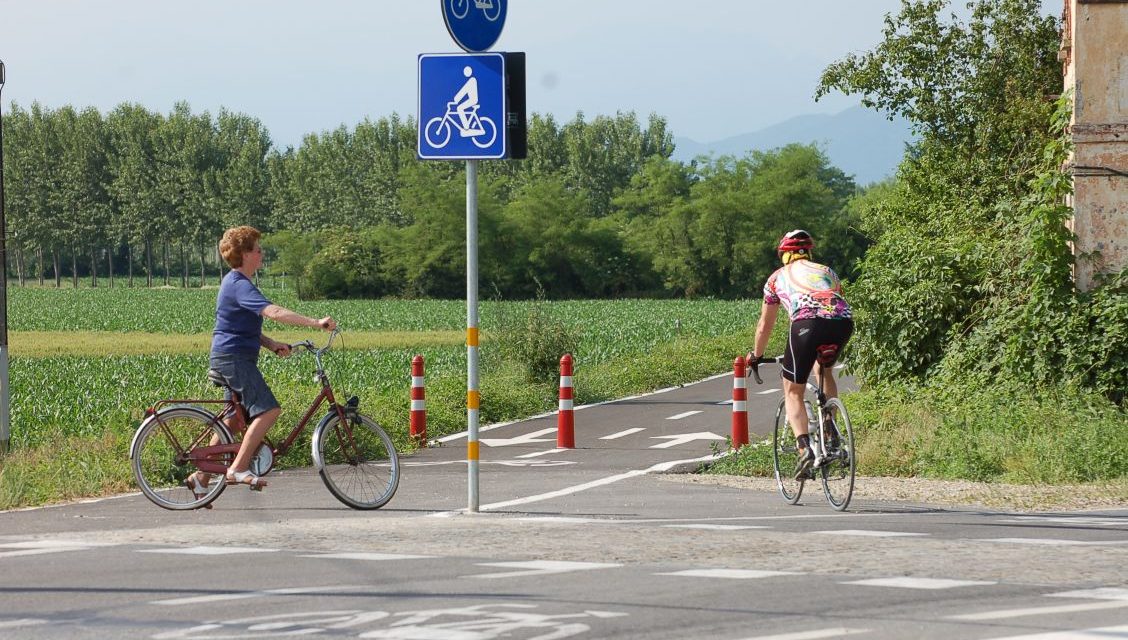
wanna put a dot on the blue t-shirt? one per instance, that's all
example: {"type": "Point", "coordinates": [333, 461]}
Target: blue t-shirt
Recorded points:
{"type": "Point", "coordinates": [238, 316]}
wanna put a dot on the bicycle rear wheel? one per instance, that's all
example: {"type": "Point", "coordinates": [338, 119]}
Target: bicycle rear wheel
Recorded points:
{"type": "Point", "coordinates": [357, 461]}
{"type": "Point", "coordinates": [838, 474]}
{"type": "Point", "coordinates": [785, 457]}
{"type": "Point", "coordinates": [160, 456]}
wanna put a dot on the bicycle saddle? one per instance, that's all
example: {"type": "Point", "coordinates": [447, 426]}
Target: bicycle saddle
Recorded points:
{"type": "Point", "coordinates": [217, 378]}
{"type": "Point", "coordinates": [827, 354]}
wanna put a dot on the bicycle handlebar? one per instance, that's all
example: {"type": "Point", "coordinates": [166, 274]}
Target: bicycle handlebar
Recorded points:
{"type": "Point", "coordinates": [754, 366]}
{"type": "Point", "coordinates": [308, 344]}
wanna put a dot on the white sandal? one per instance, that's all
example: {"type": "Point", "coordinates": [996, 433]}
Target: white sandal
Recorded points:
{"type": "Point", "coordinates": [246, 477]}
{"type": "Point", "coordinates": [198, 489]}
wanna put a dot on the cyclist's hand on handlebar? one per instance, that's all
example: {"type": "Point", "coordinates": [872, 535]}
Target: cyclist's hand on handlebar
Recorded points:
{"type": "Point", "coordinates": [282, 350]}
{"type": "Point", "coordinates": [327, 323]}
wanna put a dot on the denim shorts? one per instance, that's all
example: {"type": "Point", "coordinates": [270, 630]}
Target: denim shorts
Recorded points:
{"type": "Point", "coordinates": [242, 373]}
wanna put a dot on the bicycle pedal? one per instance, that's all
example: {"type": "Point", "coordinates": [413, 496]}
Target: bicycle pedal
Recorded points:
{"type": "Point", "coordinates": [255, 487]}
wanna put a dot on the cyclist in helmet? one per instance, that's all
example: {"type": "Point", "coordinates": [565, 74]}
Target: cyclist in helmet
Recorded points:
{"type": "Point", "coordinates": [812, 295]}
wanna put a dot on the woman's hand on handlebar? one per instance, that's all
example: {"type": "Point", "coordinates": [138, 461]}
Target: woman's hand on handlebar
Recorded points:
{"type": "Point", "coordinates": [327, 323]}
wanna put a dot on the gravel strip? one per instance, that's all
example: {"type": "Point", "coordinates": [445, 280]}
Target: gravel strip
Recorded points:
{"type": "Point", "coordinates": [1009, 497]}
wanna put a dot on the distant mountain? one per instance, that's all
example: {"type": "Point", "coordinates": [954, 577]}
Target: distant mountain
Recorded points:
{"type": "Point", "coordinates": [859, 141]}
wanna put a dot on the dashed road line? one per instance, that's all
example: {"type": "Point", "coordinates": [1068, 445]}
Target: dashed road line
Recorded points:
{"type": "Point", "coordinates": [378, 557]}
{"type": "Point", "coordinates": [624, 433]}
{"type": "Point", "coordinates": [905, 582]}
{"type": "Point", "coordinates": [685, 414]}
{"type": "Point", "coordinates": [868, 533]}
{"type": "Point", "coordinates": [208, 551]}
{"type": "Point", "coordinates": [1003, 614]}
{"type": "Point", "coordinates": [243, 595]}
{"type": "Point", "coordinates": [539, 568]}
{"type": "Point", "coordinates": [728, 574]}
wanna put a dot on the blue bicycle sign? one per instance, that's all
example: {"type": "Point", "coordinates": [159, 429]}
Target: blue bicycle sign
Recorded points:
{"type": "Point", "coordinates": [461, 106]}
{"type": "Point", "coordinates": [475, 25]}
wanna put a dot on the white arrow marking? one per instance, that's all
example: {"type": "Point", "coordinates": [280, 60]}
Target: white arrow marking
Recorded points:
{"type": "Point", "coordinates": [684, 438]}
{"type": "Point", "coordinates": [540, 568]}
{"type": "Point", "coordinates": [527, 438]}
{"type": "Point", "coordinates": [683, 415]}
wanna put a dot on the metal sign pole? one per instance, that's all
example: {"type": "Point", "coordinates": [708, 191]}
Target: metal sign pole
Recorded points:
{"type": "Point", "coordinates": [473, 399]}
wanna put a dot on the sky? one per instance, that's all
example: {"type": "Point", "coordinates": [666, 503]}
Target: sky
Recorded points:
{"type": "Point", "coordinates": [712, 68]}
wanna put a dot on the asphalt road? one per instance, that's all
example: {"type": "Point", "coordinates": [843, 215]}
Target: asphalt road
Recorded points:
{"type": "Point", "coordinates": [591, 542]}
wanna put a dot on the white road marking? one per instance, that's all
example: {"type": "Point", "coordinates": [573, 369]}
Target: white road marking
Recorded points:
{"type": "Point", "coordinates": [865, 532]}
{"type": "Point", "coordinates": [242, 595]}
{"type": "Point", "coordinates": [1055, 542]}
{"type": "Point", "coordinates": [623, 433]}
{"type": "Point", "coordinates": [683, 415]}
{"type": "Point", "coordinates": [1103, 593]}
{"type": "Point", "coordinates": [716, 527]}
{"type": "Point", "coordinates": [563, 519]}
{"type": "Point", "coordinates": [1085, 520]}
{"type": "Point", "coordinates": [905, 582]}
{"type": "Point", "coordinates": [540, 568]}
{"type": "Point", "coordinates": [662, 466]}
{"type": "Point", "coordinates": [769, 391]}
{"type": "Point", "coordinates": [525, 438]}
{"type": "Point", "coordinates": [684, 438]}
{"type": "Point", "coordinates": [542, 453]}
{"type": "Point", "coordinates": [1003, 614]}
{"type": "Point", "coordinates": [462, 434]}
{"type": "Point", "coordinates": [729, 574]}
{"type": "Point", "coordinates": [209, 551]}
{"type": "Point", "coordinates": [815, 634]}
{"type": "Point", "coordinates": [36, 547]}
{"type": "Point", "coordinates": [365, 556]}
{"type": "Point", "coordinates": [724, 402]}
{"type": "Point", "coordinates": [1102, 633]}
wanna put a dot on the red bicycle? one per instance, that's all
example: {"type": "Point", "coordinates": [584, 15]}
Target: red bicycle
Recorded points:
{"type": "Point", "coordinates": [353, 454]}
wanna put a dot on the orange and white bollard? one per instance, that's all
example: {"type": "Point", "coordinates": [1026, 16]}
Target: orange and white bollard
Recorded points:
{"type": "Point", "coordinates": [418, 422]}
{"type": "Point", "coordinates": [739, 403]}
{"type": "Point", "coordinates": [565, 423]}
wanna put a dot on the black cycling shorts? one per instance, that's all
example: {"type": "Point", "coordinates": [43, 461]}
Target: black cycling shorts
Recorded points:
{"type": "Point", "coordinates": [804, 340]}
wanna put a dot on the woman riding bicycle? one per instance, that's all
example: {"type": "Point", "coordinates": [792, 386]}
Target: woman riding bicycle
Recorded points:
{"type": "Point", "coordinates": [820, 316]}
{"type": "Point", "coordinates": [238, 336]}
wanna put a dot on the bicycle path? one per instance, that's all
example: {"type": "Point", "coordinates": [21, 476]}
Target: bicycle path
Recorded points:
{"type": "Point", "coordinates": [588, 542]}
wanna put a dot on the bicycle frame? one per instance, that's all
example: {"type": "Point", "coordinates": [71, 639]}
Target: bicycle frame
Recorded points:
{"type": "Point", "coordinates": [214, 458]}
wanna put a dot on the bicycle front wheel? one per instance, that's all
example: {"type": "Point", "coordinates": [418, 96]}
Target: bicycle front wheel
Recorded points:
{"type": "Point", "coordinates": [161, 456]}
{"type": "Point", "coordinates": [838, 474]}
{"type": "Point", "coordinates": [785, 457]}
{"type": "Point", "coordinates": [357, 461]}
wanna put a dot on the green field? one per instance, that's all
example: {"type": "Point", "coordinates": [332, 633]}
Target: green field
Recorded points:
{"type": "Point", "coordinates": [73, 414]}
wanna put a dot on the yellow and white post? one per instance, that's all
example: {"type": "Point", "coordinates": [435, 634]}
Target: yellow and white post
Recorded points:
{"type": "Point", "coordinates": [473, 399]}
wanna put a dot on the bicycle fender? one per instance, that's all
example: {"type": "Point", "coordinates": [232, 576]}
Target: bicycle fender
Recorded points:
{"type": "Point", "coordinates": [146, 421]}
{"type": "Point", "coordinates": [315, 442]}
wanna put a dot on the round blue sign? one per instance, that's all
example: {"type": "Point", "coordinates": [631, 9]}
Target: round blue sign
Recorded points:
{"type": "Point", "coordinates": [475, 25]}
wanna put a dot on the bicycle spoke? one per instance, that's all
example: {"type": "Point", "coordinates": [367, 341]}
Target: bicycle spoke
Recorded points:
{"type": "Point", "coordinates": [161, 463]}
{"type": "Point", "coordinates": [838, 474]}
{"type": "Point", "coordinates": [358, 462]}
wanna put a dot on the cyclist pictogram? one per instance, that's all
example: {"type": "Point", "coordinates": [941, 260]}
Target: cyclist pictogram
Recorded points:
{"type": "Point", "coordinates": [491, 9]}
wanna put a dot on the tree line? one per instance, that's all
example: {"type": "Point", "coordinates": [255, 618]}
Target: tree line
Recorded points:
{"type": "Point", "coordinates": [598, 209]}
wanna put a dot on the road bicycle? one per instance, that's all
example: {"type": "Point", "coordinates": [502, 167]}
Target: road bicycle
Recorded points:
{"type": "Point", "coordinates": [356, 459]}
{"type": "Point", "coordinates": [832, 440]}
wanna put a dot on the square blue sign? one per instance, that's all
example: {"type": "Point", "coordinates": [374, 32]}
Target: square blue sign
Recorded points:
{"type": "Point", "coordinates": [462, 111]}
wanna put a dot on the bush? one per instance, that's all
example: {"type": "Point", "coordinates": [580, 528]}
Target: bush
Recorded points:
{"type": "Point", "coordinates": [346, 267]}
{"type": "Point", "coordinates": [534, 339]}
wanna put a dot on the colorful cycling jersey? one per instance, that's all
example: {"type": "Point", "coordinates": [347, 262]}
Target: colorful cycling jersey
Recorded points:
{"type": "Point", "coordinates": [807, 290]}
